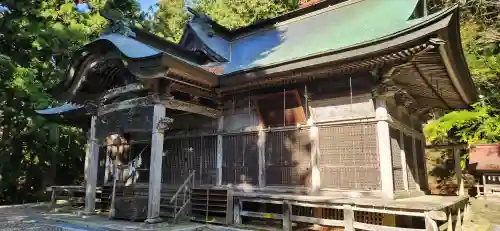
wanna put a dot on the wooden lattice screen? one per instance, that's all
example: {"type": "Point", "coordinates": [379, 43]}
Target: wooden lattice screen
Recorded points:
{"type": "Point", "coordinates": [348, 157]}
{"type": "Point", "coordinates": [186, 154]}
{"type": "Point", "coordinates": [397, 169]}
{"type": "Point", "coordinates": [288, 158]}
{"type": "Point", "coordinates": [240, 161]}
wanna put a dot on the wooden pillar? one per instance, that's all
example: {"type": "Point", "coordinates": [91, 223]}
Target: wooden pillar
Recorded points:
{"type": "Point", "coordinates": [404, 163]}
{"type": "Point", "coordinates": [261, 143]}
{"type": "Point", "coordinates": [287, 213]}
{"type": "Point", "coordinates": [237, 211]}
{"type": "Point", "coordinates": [458, 170]}
{"type": "Point", "coordinates": [348, 218]}
{"type": "Point", "coordinates": [220, 129]}
{"type": "Point", "coordinates": [384, 148]}
{"type": "Point", "coordinates": [315, 174]}
{"type": "Point", "coordinates": [155, 166]}
{"type": "Point", "coordinates": [92, 164]}
{"type": "Point", "coordinates": [417, 168]}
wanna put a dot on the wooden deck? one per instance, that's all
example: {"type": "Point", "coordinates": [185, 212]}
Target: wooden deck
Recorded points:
{"type": "Point", "coordinates": [420, 203]}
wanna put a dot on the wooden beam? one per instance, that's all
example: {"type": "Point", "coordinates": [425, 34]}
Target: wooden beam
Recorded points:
{"type": "Point", "coordinates": [191, 107]}
{"type": "Point", "coordinates": [429, 85]}
{"type": "Point", "coordinates": [154, 192]}
{"type": "Point", "coordinates": [92, 160]}
{"type": "Point", "coordinates": [121, 90]}
{"type": "Point", "coordinates": [126, 104]}
{"type": "Point", "coordinates": [447, 146]}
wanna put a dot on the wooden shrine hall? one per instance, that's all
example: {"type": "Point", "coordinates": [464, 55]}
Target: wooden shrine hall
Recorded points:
{"type": "Point", "coordinates": [312, 117]}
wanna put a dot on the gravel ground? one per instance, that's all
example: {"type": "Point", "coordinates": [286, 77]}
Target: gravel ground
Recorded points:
{"type": "Point", "coordinates": [33, 217]}
{"type": "Point", "coordinates": [485, 215]}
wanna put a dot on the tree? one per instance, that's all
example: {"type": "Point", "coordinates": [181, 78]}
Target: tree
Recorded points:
{"type": "Point", "coordinates": [36, 43]}
{"type": "Point", "coordinates": [238, 13]}
{"type": "Point", "coordinates": [171, 15]}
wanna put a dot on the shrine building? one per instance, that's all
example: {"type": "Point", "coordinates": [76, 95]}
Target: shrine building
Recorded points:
{"type": "Point", "coordinates": [312, 117]}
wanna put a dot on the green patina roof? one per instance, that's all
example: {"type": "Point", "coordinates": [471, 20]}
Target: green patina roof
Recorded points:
{"type": "Point", "coordinates": [337, 27]}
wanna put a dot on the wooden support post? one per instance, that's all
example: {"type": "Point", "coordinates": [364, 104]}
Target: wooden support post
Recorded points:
{"type": "Point", "coordinates": [315, 174]}
{"type": "Point", "coordinates": [348, 218]}
{"type": "Point", "coordinates": [485, 186]}
{"type": "Point", "coordinates": [155, 166]}
{"type": "Point", "coordinates": [261, 143]}
{"type": "Point", "coordinates": [404, 162]}
{"type": "Point", "coordinates": [450, 223]}
{"type": "Point", "coordinates": [458, 171]}
{"type": "Point", "coordinates": [430, 224]}
{"type": "Point", "coordinates": [92, 160]}
{"type": "Point", "coordinates": [229, 209]}
{"type": "Point", "coordinates": [416, 168]}
{"type": "Point", "coordinates": [237, 212]}
{"type": "Point", "coordinates": [220, 129]}
{"type": "Point", "coordinates": [287, 213]}
{"type": "Point", "coordinates": [458, 223]}
{"type": "Point", "coordinates": [53, 199]}
{"type": "Point", "coordinates": [107, 169]}
{"type": "Point", "coordinates": [384, 148]}
{"type": "Point", "coordinates": [424, 182]}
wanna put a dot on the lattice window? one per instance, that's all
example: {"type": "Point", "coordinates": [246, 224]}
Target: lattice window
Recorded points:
{"type": "Point", "coordinates": [411, 166]}
{"type": "Point", "coordinates": [186, 154]}
{"type": "Point", "coordinates": [288, 158]}
{"type": "Point", "coordinates": [240, 163]}
{"type": "Point", "coordinates": [397, 169]}
{"type": "Point", "coordinates": [348, 157]}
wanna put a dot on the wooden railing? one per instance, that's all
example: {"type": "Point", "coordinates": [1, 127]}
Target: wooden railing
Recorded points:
{"type": "Point", "coordinates": [68, 192]}
{"type": "Point", "coordinates": [185, 191]}
{"type": "Point", "coordinates": [449, 222]}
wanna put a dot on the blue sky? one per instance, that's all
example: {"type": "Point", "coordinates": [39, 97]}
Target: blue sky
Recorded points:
{"type": "Point", "coordinates": [145, 4]}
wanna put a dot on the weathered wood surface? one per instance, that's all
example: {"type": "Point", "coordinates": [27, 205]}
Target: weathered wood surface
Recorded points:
{"type": "Point", "coordinates": [384, 148]}
{"type": "Point", "coordinates": [92, 160]}
{"type": "Point", "coordinates": [154, 192]}
{"type": "Point", "coordinates": [191, 107]}
{"type": "Point", "coordinates": [422, 203]}
{"type": "Point", "coordinates": [122, 90]}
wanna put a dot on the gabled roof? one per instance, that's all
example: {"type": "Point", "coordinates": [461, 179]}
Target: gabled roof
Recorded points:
{"type": "Point", "coordinates": [348, 35]}
{"type": "Point", "coordinates": [335, 27]}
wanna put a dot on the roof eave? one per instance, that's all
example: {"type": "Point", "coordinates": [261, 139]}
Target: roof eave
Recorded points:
{"type": "Point", "coordinates": [358, 51]}
{"type": "Point", "coordinates": [455, 62]}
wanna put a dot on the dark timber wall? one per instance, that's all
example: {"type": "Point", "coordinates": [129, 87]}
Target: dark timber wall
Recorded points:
{"type": "Point", "coordinates": [342, 109]}
{"type": "Point", "coordinates": [402, 140]}
{"type": "Point", "coordinates": [193, 153]}
{"type": "Point", "coordinates": [288, 158]}
{"type": "Point", "coordinates": [240, 159]}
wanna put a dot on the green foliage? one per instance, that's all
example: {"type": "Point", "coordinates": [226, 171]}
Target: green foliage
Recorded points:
{"type": "Point", "coordinates": [480, 125]}
{"type": "Point", "coordinates": [36, 41]}
{"type": "Point", "coordinates": [171, 17]}
{"type": "Point", "coordinates": [237, 13]}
